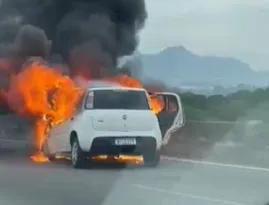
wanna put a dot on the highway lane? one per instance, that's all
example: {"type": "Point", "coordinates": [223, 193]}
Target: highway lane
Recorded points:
{"type": "Point", "coordinates": [23, 182]}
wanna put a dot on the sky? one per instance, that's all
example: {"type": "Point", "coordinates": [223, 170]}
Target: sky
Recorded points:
{"type": "Point", "coordinates": [233, 28]}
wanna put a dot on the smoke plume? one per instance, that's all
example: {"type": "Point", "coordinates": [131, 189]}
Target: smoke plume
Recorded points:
{"type": "Point", "coordinates": [87, 34]}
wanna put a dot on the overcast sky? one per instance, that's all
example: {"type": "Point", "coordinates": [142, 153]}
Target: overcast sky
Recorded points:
{"type": "Point", "coordinates": [237, 28]}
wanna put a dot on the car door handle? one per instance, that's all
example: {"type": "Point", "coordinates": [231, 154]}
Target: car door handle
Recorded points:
{"type": "Point", "coordinates": [100, 120]}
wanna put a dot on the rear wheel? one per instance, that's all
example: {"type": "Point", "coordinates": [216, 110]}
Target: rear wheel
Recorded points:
{"type": "Point", "coordinates": [151, 159]}
{"type": "Point", "coordinates": [51, 158]}
{"type": "Point", "coordinates": [78, 158]}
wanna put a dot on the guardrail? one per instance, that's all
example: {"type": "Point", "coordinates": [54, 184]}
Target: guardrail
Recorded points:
{"type": "Point", "coordinates": [14, 128]}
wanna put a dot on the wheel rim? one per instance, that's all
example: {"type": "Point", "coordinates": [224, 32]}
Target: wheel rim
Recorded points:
{"type": "Point", "coordinates": [74, 153]}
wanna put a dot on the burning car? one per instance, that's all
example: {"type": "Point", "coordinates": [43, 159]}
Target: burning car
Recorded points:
{"type": "Point", "coordinates": [40, 58]}
{"type": "Point", "coordinates": [112, 120]}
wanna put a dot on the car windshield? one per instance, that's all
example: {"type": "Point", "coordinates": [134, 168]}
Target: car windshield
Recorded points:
{"type": "Point", "coordinates": [120, 99]}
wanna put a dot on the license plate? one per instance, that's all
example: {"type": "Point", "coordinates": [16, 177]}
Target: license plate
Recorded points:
{"type": "Point", "coordinates": [125, 141]}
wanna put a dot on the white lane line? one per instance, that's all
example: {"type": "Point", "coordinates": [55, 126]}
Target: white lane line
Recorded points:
{"type": "Point", "coordinates": [192, 196]}
{"type": "Point", "coordinates": [215, 164]}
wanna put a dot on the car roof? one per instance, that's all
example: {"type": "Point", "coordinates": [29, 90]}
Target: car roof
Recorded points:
{"type": "Point", "coordinates": [103, 85]}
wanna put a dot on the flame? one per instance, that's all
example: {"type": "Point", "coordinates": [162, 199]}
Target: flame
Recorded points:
{"type": "Point", "coordinates": [45, 95]}
{"type": "Point", "coordinates": [39, 157]}
{"type": "Point", "coordinates": [121, 159]}
{"type": "Point", "coordinates": [126, 81]}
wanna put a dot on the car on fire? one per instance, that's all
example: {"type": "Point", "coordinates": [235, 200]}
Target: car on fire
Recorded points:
{"type": "Point", "coordinates": [114, 120]}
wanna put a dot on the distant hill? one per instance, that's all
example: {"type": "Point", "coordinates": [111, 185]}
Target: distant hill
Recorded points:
{"type": "Point", "coordinates": [177, 66]}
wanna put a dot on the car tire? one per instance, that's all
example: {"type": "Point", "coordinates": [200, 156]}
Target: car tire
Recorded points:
{"type": "Point", "coordinates": [78, 157]}
{"type": "Point", "coordinates": [152, 159]}
{"type": "Point", "coordinates": [51, 158]}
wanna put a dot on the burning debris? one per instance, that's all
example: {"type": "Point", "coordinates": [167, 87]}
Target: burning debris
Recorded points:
{"type": "Point", "coordinates": [45, 44]}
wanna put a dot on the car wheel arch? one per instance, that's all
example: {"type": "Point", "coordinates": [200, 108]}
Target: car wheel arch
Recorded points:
{"type": "Point", "coordinates": [73, 136]}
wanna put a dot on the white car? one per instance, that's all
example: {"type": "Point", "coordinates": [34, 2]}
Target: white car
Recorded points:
{"type": "Point", "coordinates": [112, 120]}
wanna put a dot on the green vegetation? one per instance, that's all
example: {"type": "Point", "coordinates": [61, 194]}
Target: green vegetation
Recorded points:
{"type": "Point", "coordinates": [239, 106]}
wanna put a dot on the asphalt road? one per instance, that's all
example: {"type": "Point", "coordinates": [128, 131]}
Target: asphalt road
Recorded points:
{"type": "Point", "coordinates": [23, 182]}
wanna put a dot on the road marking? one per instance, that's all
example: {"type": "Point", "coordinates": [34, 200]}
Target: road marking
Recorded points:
{"type": "Point", "coordinates": [215, 164]}
{"type": "Point", "coordinates": [192, 196]}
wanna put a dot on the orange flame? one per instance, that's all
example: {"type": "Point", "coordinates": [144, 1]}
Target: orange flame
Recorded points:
{"type": "Point", "coordinates": [45, 95]}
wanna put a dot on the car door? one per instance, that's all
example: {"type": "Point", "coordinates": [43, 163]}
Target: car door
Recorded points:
{"type": "Point", "coordinates": [62, 133]}
{"type": "Point", "coordinates": [171, 118]}
{"type": "Point", "coordinates": [65, 128]}
{"type": "Point", "coordinates": [58, 135]}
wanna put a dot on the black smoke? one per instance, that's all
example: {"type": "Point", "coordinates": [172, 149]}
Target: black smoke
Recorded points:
{"type": "Point", "coordinates": [86, 34]}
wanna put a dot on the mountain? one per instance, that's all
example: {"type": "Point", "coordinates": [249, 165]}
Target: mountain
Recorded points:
{"type": "Point", "coordinates": [178, 66]}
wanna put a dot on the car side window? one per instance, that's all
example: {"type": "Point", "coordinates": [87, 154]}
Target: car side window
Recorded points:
{"type": "Point", "coordinates": [172, 104]}
{"type": "Point", "coordinates": [89, 100]}
{"type": "Point", "coordinates": [80, 104]}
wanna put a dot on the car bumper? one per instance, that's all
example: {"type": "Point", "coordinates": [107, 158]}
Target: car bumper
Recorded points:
{"type": "Point", "coordinates": [107, 146]}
